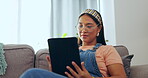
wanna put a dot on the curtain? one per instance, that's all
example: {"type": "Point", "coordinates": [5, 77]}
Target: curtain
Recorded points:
{"type": "Point", "coordinates": [32, 22]}
{"type": "Point", "coordinates": [64, 15]}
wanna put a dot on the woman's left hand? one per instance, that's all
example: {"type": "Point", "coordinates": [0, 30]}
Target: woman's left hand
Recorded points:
{"type": "Point", "coordinates": [81, 73]}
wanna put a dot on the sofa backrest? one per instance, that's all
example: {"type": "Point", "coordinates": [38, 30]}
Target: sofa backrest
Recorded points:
{"type": "Point", "coordinates": [122, 50]}
{"type": "Point", "coordinates": [19, 58]}
{"type": "Point", "coordinates": [42, 63]}
{"type": "Point", "coordinates": [22, 57]}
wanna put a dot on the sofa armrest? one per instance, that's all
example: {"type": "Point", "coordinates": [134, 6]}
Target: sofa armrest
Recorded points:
{"type": "Point", "coordinates": [19, 58]}
{"type": "Point", "coordinates": [139, 71]}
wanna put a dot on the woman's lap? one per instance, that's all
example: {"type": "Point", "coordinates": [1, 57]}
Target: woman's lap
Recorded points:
{"type": "Point", "coordinates": [40, 73]}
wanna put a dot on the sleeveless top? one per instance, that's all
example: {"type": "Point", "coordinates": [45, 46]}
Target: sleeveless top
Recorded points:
{"type": "Point", "coordinates": [89, 59]}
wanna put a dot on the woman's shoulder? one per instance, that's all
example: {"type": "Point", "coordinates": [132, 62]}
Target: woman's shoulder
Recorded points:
{"type": "Point", "coordinates": [106, 46]}
{"type": "Point", "coordinates": [105, 49]}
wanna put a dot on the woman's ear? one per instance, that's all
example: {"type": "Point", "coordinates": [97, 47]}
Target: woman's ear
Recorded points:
{"type": "Point", "coordinates": [99, 28]}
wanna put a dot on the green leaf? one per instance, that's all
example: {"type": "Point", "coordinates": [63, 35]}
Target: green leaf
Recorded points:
{"type": "Point", "coordinates": [64, 35]}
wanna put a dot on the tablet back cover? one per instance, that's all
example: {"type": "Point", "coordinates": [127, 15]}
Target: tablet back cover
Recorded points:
{"type": "Point", "coordinates": [62, 52]}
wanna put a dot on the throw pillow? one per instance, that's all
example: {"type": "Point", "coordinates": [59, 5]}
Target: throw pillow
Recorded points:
{"type": "Point", "coordinates": [127, 62]}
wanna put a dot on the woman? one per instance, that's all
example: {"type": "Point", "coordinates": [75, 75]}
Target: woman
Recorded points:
{"type": "Point", "coordinates": [98, 59]}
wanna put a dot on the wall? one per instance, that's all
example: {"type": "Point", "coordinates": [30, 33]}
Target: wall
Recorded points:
{"type": "Point", "coordinates": [131, 23]}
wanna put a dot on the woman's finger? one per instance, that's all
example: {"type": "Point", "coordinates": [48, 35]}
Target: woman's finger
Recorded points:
{"type": "Point", "coordinates": [69, 75]}
{"type": "Point", "coordinates": [78, 69]}
{"type": "Point", "coordinates": [83, 67]}
{"type": "Point", "coordinates": [72, 71]}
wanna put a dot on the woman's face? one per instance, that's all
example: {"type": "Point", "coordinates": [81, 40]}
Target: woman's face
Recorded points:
{"type": "Point", "coordinates": [87, 29]}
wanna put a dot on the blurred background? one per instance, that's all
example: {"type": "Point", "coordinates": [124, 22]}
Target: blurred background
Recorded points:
{"type": "Point", "coordinates": [32, 22]}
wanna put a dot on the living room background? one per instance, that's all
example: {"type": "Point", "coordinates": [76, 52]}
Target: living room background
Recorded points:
{"type": "Point", "coordinates": [32, 22]}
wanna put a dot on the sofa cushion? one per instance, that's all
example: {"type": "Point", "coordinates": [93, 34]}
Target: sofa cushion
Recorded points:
{"type": "Point", "coordinates": [139, 71]}
{"type": "Point", "coordinates": [127, 63]}
{"type": "Point", "coordinates": [19, 58]}
{"type": "Point", "coordinates": [126, 58]}
{"type": "Point", "coordinates": [122, 50]}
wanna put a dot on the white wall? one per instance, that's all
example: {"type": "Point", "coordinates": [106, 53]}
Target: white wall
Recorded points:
{"type": "Point", "coordinates": [131, 22]}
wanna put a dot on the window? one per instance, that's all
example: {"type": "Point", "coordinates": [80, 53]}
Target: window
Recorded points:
{"type": "Point", "coordinates": [32, 22]}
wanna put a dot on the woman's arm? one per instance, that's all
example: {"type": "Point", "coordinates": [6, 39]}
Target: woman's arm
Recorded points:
{"type": "Point", "coordinates": [111, 61]}
{"type": "Point", "coordinates": [116, 71]}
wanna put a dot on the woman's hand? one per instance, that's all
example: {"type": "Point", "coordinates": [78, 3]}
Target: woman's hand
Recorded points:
{"type": "Point", "coordinates": [82, 73]}
{"type": "Point", "coordinates": [49, 62]}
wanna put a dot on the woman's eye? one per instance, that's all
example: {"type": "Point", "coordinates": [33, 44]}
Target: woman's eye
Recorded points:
{"type": "Point", "coordinates": [89, 26]}
{"type": "Point", "coordinates": [80, 26]}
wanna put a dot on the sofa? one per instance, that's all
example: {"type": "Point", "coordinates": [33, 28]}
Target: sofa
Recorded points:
{"type": "Point", "coordinates": [21, 57]}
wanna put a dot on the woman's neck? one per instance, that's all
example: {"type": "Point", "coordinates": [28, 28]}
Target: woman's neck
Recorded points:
{"type": "Point", "coordinates": [89, 44]}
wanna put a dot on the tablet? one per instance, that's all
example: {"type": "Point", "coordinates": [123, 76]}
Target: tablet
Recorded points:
{"type": "Point", "coordinates": [62, 52]}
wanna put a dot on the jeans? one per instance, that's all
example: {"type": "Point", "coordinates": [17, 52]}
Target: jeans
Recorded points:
{"type": "Point", "coordinates": [40, 73]}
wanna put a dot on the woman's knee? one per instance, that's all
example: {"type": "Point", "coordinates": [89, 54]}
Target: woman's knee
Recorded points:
{"type": "Point", "coordinates": [31, 73]}
{"type": "Point", "coordinates": [40, 73]}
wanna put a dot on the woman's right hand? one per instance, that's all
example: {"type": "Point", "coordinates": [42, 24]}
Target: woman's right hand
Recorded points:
{"type": "Point", "coordinates": [81, 73]}
{"type": "Point", "coordinates": [49, 62]}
